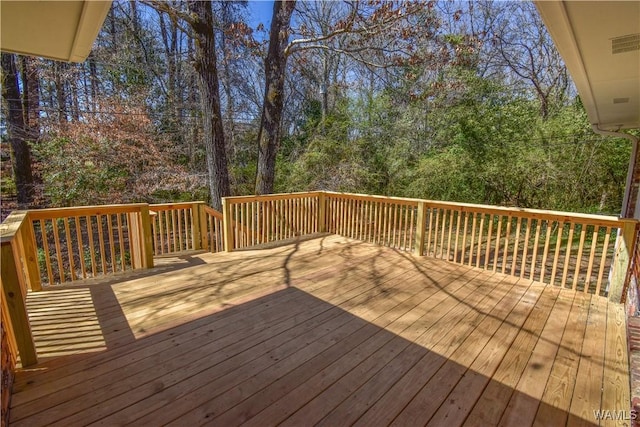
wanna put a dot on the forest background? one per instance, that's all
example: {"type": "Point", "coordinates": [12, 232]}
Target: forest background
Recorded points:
{"type": "Point", "coordinates": [447, 100]}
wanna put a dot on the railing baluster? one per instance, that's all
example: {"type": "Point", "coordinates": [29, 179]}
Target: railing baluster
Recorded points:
{"type": "Point", "coordinates": [576, 273]}
{"type": "Point", "coordinates": [442, 231]}
{"type": "Point", "coordinates": [545, 254]}
{"type": "Point", "coordinates": [451, 215]}
{"type": "Point", "coordinates": [435, 229]}
{"type": "Point", "coordinates": [412, 221]}
{"type": "Point", "coordinates": [497, 249]}
{"type": "Point", "coordinates": [379, 216]}
{"type": "Point", "coordinates": [455, 247]}
{"type": "Point", "coordinates": [473, 239]}
{"type": "Point", "coordinates": [603, 260]}
{"type": "Point", "coordinates": [507, 234]}
{"type": "Point", "coordinates": [481, 231]}
{"type": "Point", "coordinates": [592, 256]}
{"type": "Point", "coordinates": [92, 246]}
{"type": "Point", "coordinates": [174, 227]}
{"type": "Point", "coordinates": [112, 251]}
{"type": "Point", "coordinates": [464, 235]}
{"type": "Point", "coordinates": [536, 243]}
{"type": "Point", "coordinates": [45, 243]}
{"type": "Point", "coordinates": [360, 219]}
{"type": "Point", "coordinates": [567, 255]}
{"type": "Point", "coordinates": [179, 218]}
{"type": "Point", "coordinates": [160, 232]}
{"type": "Point", "coordinates": [489, 240]}
{"type": "Point", "coordinates": [525, 250]}
{"type": "Point", "coordinates": [67, 234]}
{"type": "Point", "coordinates": [83, 269]}
{"type": "Point", "coordinates": [56, 238]}
{"type": "Point", "coordinates": [168, 222]}
{"type": "Point", "coordinates": [121, 242]}
{"type": "Point", "coordinates": [556, 256]}
{"type": "Point", "coordinates": [516, 246]}
{"type": "Point", "coordinates": [103, 250]}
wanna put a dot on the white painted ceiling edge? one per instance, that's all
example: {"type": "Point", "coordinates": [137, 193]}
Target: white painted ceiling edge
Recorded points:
{"type": "Point", "coordinates": [60, 30]}
{"type": "Point", "coordinates": [586, 33]}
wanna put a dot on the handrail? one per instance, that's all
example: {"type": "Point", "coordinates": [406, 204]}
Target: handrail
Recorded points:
{"type": "Point", "coordinates": [212, 230]}
{"type": "Point", "coordinates": [505, 210]}
{"type": "Point", "coordinates": [50, 213]}
{"type": "Point", "coordinates": [273, 197]}
{"type": "Point", "coordinates": [213, 212]}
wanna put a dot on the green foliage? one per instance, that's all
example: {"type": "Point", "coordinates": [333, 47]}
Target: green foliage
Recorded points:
{"type": "Point", "coordinates": [76, 178]}
{"type": "Point", "coordinates": [475, 142]}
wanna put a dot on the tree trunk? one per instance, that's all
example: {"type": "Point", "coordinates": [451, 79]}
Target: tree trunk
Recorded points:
{"type": "Point", "coordinates": [230, 130]}
{"type": "Point", "coordinates": [30, 96]}
{"type": "Point", "coordinates": [275, 67]}
{"type": "Point", "coordinates": [17, 133]}
{"type": "Point", "coordinates": [61, 95]}
{"type": "Point", "coordinates": [93, 73]}
{"type": "Point", "coordinates": [206, 68]}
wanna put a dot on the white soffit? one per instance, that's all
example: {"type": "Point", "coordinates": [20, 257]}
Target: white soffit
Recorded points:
{"type": "Point", "coordinates": [587, 33]}
{"type": "Point", "coordinates": [61, 30]}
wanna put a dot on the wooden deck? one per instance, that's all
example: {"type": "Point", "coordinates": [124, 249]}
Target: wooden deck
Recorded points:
{"type": "Point", "coordinates": [328, 331]}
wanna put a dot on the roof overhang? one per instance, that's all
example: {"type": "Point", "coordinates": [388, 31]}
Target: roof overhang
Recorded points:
{"type": "Point", "coordinates": [600, 44]}
{"type": "Point", "coordinates": [60, 30]}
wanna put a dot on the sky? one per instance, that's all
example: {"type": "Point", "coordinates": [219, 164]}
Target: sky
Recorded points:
{"type": "Point", "coordinates": [260, 12]}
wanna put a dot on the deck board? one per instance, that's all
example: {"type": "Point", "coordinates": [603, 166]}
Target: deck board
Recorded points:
{"type": "Point", "coordinates": [326, 331]}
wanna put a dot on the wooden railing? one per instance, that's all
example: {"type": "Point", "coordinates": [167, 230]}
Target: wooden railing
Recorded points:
{"type": "Point", "coordinates": [566, 249]}
{"type": "Point", "coordinates": [589, 253]}
{"type": "Point", "coordinates": [55, 246]}
{"type": "Point", "coordinates": [82, 242]}
{"type": "Point", "coordinates": [570, 250]}
{"type": "Point", "coordinates": [175, 227]}
{"type": "Point", "coordinates": [387, 221]}
{"type": "Point", "coordinates": [255, 220]}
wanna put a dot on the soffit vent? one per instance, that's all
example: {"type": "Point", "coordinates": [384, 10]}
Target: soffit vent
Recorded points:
{"type": "Point", "coordinates": [625, 43]}
{"type": "Point", "coordinates": [620, 100]}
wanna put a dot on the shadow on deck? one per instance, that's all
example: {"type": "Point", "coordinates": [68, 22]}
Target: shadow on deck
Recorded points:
{"type": "Point", "coordinates": [327, 331]}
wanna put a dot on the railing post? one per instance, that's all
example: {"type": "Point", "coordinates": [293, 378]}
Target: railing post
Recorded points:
{"type": "Point", "coordinates": [227, 225]}
{"type": "Point", "coordinates": [30, 255]}
{"type": "Point", "coordinates": [204, 230]}
{"type": "Point", "coordinates": [621, 259]}
{"type": "Point", "coordinates": [141, 239]}
{"type": "Point", "coordinates": [322, 213]}
{"type": "Point", "coordinates": [134, 237]}
{"type": "Point", "coordinates": [420, 228]}
{"type": "Point", "coordinates": [197, 225]}
{"type": "Point", "coordinates": [13, 294]}
{"type": "Point", "coordinates": [146, 238]}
